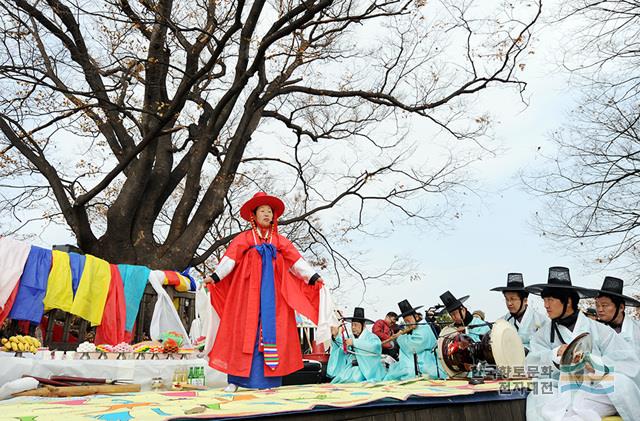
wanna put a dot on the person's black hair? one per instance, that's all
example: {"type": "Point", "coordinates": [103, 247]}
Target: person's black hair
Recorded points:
{"type": "Point", "coordinates": [521, 294]}
{"type": "Point", "coordinates": [392, 314]}
{"type": "Point", "coordinates": [563, 295]}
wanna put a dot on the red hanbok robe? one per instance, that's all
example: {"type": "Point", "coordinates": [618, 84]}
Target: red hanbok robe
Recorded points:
{"type": "Point", "coordinates": [236, 298]}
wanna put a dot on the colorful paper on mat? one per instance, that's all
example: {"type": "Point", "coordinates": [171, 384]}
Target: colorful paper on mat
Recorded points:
{"type": "Point", "coordinates": [216, 403]}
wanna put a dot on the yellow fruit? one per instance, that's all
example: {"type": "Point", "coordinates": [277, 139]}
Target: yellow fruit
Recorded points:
{"type": "Point", "coordinates": [7, 346]}
{"type": "Point", "coordinates": [14, 346]}
{"type": "Point", "coordinates": [33, 349]}
{"type": "Point", "coordinates": [13, 339]}
{"type": "Point", "coordinates": [21, 346]}
{"type": "Point", "coordinates": [19, 337]}
{"type": "Point", "coordinates": [4, 341]}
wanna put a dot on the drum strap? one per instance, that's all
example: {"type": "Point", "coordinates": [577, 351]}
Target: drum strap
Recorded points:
{"type": "Point", "coordinates": [415, 364]}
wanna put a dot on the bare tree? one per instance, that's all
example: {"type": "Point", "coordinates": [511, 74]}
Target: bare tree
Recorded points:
{"type": "Point", "coordinates": [593, 184]}
{"type": "Point", "coordinates": [144, 124]}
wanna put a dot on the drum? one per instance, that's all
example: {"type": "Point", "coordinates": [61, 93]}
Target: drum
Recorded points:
{"type": "Point", "coordinates": [501, 347]}
{"type": "Point", "coordinates": [455, 352]}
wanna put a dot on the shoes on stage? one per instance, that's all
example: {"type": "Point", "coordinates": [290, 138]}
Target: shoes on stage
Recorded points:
{"type": "Point", "coordinates": [231, 388]}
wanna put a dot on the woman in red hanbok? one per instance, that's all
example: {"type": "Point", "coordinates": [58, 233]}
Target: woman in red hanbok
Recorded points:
{"type": "Point", "coordinates": [255, 289]}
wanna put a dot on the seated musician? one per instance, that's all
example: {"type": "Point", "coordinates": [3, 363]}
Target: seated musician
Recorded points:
{"type": "Point", "coordinates": [462, 318]}
{"type": "Point", "coordinates": [356, 357]}
{"type": "Point", "coordinates": [607, 383]}
{"type": "Point", "coordinates": [525, 319]}
{"type": "Point", "coordinates": [383, 329]}
{"type": "Point", "coordinates": [417, 344]}
{"type": "Point", "coordinates": [610, 307]}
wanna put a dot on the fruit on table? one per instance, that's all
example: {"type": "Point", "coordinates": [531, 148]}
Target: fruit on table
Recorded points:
{"type": "Point", "coordinates": [20, 343]}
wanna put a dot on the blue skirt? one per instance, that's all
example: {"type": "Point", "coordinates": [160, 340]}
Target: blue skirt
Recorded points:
{"type": "Point", "coordinates": [256, 379]}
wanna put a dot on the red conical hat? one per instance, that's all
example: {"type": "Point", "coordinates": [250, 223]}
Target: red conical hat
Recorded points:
{"type": "Point", "coordinates": [259, 199]}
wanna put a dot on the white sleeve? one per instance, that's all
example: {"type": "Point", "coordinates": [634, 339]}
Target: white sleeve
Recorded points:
{"type": "Point", "coordinates": [303, 270]}
{"type": "Point", "coordinates": [225, 267]}
{"type": "Point", "coordinates": [326, 318]}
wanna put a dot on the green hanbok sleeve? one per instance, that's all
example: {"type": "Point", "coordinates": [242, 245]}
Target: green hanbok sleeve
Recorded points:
{"type": "Point", "coordinates": [416, 341]}
{"type": "Point", "coordinates": [369, 355]}
{"type": "Point", "coordinates": [337, 358]}
{"type": "Point", "coordinates": [481, 329]}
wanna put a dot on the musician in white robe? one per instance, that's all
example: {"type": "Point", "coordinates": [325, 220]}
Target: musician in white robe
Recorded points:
{"type": "Point", "coordinates": [611, 304]}
{"type": "Point", "coordinates": [525, 319]}
{"type": "Point", "coordinates": [610, 383]}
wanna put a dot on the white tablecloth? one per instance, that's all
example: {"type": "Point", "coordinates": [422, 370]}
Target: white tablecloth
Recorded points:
{"type": "Point", "coordinates": [141, 371]}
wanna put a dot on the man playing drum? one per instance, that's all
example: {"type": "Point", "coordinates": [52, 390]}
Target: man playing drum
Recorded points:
{"type": "Point", "coordinates": [525, 319]}
{"type": "Point", "coordinates": [462, 318]}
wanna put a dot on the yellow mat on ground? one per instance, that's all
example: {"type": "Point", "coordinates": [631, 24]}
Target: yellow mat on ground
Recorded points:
{"type": "Point", "coordinates": [217, 403]}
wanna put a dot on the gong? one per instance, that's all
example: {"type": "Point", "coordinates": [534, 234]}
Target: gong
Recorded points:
{"type": "Point", "coordinates": [577, 350]}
